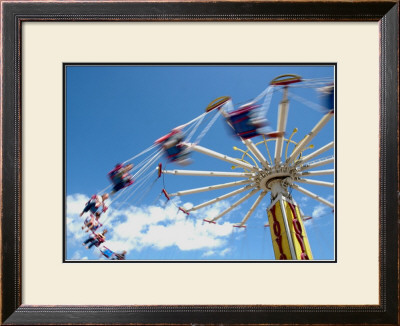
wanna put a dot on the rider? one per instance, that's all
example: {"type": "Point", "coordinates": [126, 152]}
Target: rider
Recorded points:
{"type": "Point", "coordinates": [328, 96]}
{"type": "Point", "coordinates": [94, 203]}
{"type": "Point", "coordinates": [95, 239]}
{"type": "Point", "coordinates": [248, 122]}
{"type": "Point", "coordinates": [117, 256]}
{"type": "Point", "coordinates": [108, 253]}
{"type": "Point", "coordinates": [92, 222]}
{"type": "Point", "coordinates": [120, 176]}
{"type": "Point", "coordinates": [175, 149]}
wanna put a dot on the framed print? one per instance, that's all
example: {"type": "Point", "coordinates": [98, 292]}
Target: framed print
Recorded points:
{"type": "Point", "coordinates": [199, 163]}
{"type": "Point", "coordinates": [135, 214]}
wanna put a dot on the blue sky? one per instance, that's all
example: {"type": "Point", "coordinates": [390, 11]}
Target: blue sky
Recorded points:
{"type": "Point", "coordinates": [115, 112]}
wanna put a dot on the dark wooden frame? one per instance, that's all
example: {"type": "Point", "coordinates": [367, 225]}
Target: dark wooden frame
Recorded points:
{"type": "Point", "coordinates": [13, 16]}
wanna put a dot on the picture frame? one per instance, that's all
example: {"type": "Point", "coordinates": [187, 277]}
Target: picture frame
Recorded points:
{"type": "Point", "coordinates": [14, 14]}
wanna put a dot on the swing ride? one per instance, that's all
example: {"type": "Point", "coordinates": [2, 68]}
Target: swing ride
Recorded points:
{"type": "Point", "coordinates": [261, 171]}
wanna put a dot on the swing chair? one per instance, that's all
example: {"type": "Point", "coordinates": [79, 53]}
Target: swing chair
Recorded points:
{"type": "Point", "coordinates": [174, 148]}
{"type": "Point", "coordinates": [92, 222]}
{"type": "Point", "coordinates": [112, 255]}
{"type": "Point", "coordinates": [327, 96]}
{"type": "Point", "coordinates": [120, 177]}
{"type": "Point", "coordinates": [246, 122]}
{"type": "Point", "coordinates": [106, 252]}
{"type": "Point", "coordinates": [94, 203]}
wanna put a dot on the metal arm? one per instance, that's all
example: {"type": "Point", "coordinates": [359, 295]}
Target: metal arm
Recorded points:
{"type": "Point", "coordinates": [312, 195]}
{"type": "Point", "coordinates": [222, 157]}
{"type": "Point", "coordinates": [318, 163]}
{"type": "Point", "coordinates": [215, 200]}
{"type": "Point", "coordinates": [325, 119]}
{"type": "Point", "coordinates": [281, 126]}
{"type": "Point", "coordinates": [316, 182]}
{"type": "Point", "coordinates": [252, 208]}
{"type": "Point", "coordinates": [220, 186]}
{"type": "Point", "coordinates": [235, 204]}
{"type": "Point", "coordinates": [317, 152]}
{"type": "Point", "coordinates": [209, 173]}
{"type": "Point", "coordinates": [252, 148]}
{"type": "Point", "coordinates": [317, 173]}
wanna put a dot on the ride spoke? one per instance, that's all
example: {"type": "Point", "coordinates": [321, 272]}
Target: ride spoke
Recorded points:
{"type": "Point", "coordinates": [281, 125]}
{"type": "Point", "coordinates": [209, 173]}
{"type": "Point", "coordinates": [266, 147]}
{"type": "Point", "coordinates": [299, 148]}
{"type": "Point", "coordinates": [241, 200]}
{"type": "Point", "coordinates": [312, 195]}
{"type": "Point", "coordinates": [317, 173]}
{"type": "Point", "coordinates": [215, 200]}
{"type": "Point", "coordinates": [316, 182]}
{"type": "Point", "coordinates": [256, 152]}
{"type": "Point", "coordinates": [209, 152]}
{"type": "Point", "coordinates": [317, 152]}
{"type": "Point", "coordinates": [252, 208]}
{"type": "Point", "coordinates": [215, 187]}
{"type": "Point", "coordinates": [318, 163]}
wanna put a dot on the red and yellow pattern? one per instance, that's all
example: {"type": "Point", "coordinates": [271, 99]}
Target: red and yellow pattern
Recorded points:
{"type": "Point", "coordinates": [280, 238]}
{"type": "Point", "coordinates": [298, 232]}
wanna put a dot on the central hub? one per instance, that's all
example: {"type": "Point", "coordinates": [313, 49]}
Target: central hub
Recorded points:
{"type": "Point", "coordinates": [265, 181]}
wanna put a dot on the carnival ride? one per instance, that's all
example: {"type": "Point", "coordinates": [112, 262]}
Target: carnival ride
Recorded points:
{"type": "Point", "coordinates": [262, 171]}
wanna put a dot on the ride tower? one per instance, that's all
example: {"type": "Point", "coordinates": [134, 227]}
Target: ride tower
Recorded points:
{"type": "Point", "coordinates": [288, 234]}
{"type": "Point", "coordinates": [275, 175]}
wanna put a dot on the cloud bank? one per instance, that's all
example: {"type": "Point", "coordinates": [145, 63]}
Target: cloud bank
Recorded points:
{"type": "Point", "coordinates": [138, 228]}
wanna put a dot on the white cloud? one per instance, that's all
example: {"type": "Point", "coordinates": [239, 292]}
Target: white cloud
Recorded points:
{"type": "Point", "coordinates": [209, 253]}
{"type": "Point", "coordinates": [319, 211]}
{"type": "Point", "coordinates": [78, 255]}
{"type": "Point", "coordinates": [225, 252]}
{"type": "Point", "coordinates": [261, 211]}
{"type": "Point", "coordinates": [221, 253]}
{"type": "Point", "coordinates": [137, 228]}
{"type": "Point", "coordinates": [303, 201]}
{"type": "Point", "coordinates": [212, 210]}
{"type": "Point", "coordinates": [75, 204]}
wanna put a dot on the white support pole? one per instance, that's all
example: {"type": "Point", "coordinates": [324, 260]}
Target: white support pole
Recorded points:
{"type": "Point", "coordinates": [209, 173]}
{"type": "Point", "coordinates": [316, 182]}
{"type": "Point", "coordinates": [317, 152]}
{"type": "Point", "coordinates": [220, 186]}
{"type": "Point", "coordinates": [287, 229]}
{"type": "Point", "coordinates": [299, 148]}
{"type": "Point", "coordinates": [312, 195]}
{"type": "Point", "coordinates": [318, 163]}
{"type": "Point", "coordinates": [252, 208]}
{"type": "Point", "coordinates": [215, 200]}
{"type": "Point", "coordinates": [206, 151]}
{"type": "Point", "coordinates": [317, 173]}
{"type": "Point", "coordinates": [253, 148]}
{"type": "Point", "coordinates": [281, 125]}
{"type": "Point", "coordinates": [241, 200]}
